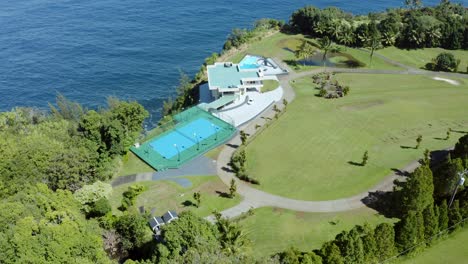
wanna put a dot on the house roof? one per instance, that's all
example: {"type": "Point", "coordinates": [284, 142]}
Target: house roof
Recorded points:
{"type": "Point", "coordinates": [222, 76]}
{"type": "Point", "coordinates": [155, 222]}
{"type": "Point", "coordinates": [169, 215]}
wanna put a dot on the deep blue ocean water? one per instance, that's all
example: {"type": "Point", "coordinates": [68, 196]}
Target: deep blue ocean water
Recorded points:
{"type": "Point", "coordinates": [91, 49]}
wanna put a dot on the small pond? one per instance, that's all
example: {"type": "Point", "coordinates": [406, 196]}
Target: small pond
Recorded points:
{"type": "Point", "coordinates": [339, 60]}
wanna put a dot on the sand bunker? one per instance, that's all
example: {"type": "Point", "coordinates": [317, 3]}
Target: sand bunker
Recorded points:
{"type": "Point", "coordinates": [453, 82]}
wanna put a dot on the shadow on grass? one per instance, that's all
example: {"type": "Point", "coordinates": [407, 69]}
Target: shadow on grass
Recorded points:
{"type": "Point", "coordinates": [460, 131]}
{"type": "Point", "coordinates": [355, 163]}
{"type": "Point", "coordinates": [438, 138]}
{"type": "Point", "coordinates": [223, 194]}
{"type": "Point", "coordinates": [188, 203]}
{"type": "Point", "coordinates": [407, 147]}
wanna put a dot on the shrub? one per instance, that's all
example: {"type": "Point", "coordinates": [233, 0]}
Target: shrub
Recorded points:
{"type": "Point", "coordinates": [445, 62]}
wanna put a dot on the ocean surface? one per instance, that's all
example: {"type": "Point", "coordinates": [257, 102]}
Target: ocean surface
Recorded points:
{"type": "Point", "coordinates": [88, 50]}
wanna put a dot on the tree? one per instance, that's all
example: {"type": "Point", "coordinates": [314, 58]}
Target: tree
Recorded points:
{"type": "Point", "coordinates": [188, 232]}
{"type": "Point", "coordinates": [351, 246]}
{"type": "Point", "coordinates": [197, 198]}
{"type": "Point", "coordinates": [327, 46]}
{"type": "Point", "coordinates": [365, 158]}
{"type": "Point", "coordinates": [418, 141]}
{"type": "Point", "coordinates": [431, 223]}
{"type": "Point", "coordinates": [427, 157]}
{"type": "Point", "coordinates": [445, 62]}
{"type": "Point", "coordinates": [232, 189]}
{"type": "Point", "coordinates": [417, 191]}
{"type": "Point", "coordinates": [447, 137]}
{"type": "Point", "coordinates": [305, 51]}
{"type": "Point", "coordinates": [331, 254]}
{"type": "Point", "coordinates": [243, 137]}
{"type": "Point", "coordinates": [446, 176]}
{"type": "Point", "coordinates": [410, 231]}
{"type": "Point", "coordinates": [373, 40]}
{"type": "Point", "coordinates": [42, 226]}
{"type": "Point", "coordinates": [385, 241]}
{"type": "Point", "coordinates": [133, 228]}
{"type": "Point", "coordinates": [443, 216]}
{"type": "Point", "coordinates": [454, 215]}
{"type": "Point", "coordinates": [461, 149]}
{"type": "Point", "coordinates": [232, 238]}
{"type": "Point", "coordinates": [130, 195]}
{"type": "Point", "coordinates": [100, 208]}
{"type": "Point", "coordinates": [369, 243]}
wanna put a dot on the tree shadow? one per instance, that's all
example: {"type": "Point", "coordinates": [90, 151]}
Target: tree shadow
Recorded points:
{"type": "Point", "coordinates": [460, 131]}
{"type": "Point", "coordinates": [223, 194]}
{"type": "Point", "coordinates": [407, 147]}
{"type": "Point", "coordinates": [355, 163]}
{"type": "Point", "coordinates": [234, 146]}
{"type": "Point", "coordinates": [188, 203]}
{"type": "Point", "coordinates": [227, 169]}
{"type": "Point", "coordinates": [400, 172]}
{"type": "Point", "coordinates": [383, 202]}
{"type": "Point", "coordinates": [439, 138]}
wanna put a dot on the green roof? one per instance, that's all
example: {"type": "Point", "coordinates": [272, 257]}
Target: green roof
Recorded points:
{"type": "Point", "coordinates": [227, 77]}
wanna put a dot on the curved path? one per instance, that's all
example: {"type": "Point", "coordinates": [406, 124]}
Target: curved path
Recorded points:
{"type": "Point", "coordinates": [254, 198]}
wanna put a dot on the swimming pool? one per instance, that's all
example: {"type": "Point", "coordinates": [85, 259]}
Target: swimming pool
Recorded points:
{"type": "Point", "coordinates": [184, 137]}
{"type": "Point", "coordinates": [249, 62]}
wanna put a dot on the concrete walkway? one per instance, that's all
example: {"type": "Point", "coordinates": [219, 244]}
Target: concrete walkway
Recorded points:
{"type": "Point", "coordinates": [254, 198]}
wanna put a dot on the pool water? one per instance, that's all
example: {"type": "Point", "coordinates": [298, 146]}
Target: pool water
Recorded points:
{"type": "Point", "coordinates": [249, 62]}
{"type": "Point", "coordinates": [184, 137]}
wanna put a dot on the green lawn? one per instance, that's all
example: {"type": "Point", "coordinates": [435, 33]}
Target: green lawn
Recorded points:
{"type": "Point", "coordinates": [167, 195]}
{"type": "Point", "coordinates": [445, 251]}
{"type": "Point", "coordinates": [131, 164]}
{"type": "Point", "coordinates": [306, 154]}
{"type": "Point", "coordinates": [419, 57]}
{"type": "Point", "coordinates": [272, 230]}
{"type": "Point", "coordinates": [269, 85]}
{"type": "Point", "coordinates": [282, 46]}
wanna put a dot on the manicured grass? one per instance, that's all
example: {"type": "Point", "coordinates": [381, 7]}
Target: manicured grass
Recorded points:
{"type": "Point", "coordinates": [214, 153]}
{"type": "Point", "coordinates": [445, 251]}
{"type": "Point", "coordinates": [306, 154]}
{"type": "Point", "coordinates": [418, 58]}
{"type": "Point", "coordinates": [269, 85]}
{"type": "Point", "coordinates": [167, 195]}
{"type": "Point", "coordinates": [272, 230]}
{"type": "Point", "coordinates": [131, 164]}
{"type": "Point", "coordinates": [279, 45]}
{"type": "Point", "coordinates": [282, 46]}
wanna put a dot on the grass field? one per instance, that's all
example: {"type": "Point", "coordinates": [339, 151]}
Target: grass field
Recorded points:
{"type": "Point", "coordinates": [308, 153]}
{"type": "Point", "coordinates": [418, 58]}
{"type": "Point", "coordinates": [282, 46]}
{"type": "Point", "coordinates": [445, 251]}
{"type": "Point", "coordinates": [131, 164]}
{"type": "Point", "coordinates": [167, 195]}
{"type": "Point", "coordinates": [272, 230]}
{"type": "Point", "coordinates": [269, 85]}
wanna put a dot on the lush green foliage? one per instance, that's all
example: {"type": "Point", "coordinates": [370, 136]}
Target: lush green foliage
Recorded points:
{"type": "Point", "coordinates": [42, 226]}
{"type": "Point", "coordinates": [444, 62]}
{"type": "Point", "coordinates": [441, 26]}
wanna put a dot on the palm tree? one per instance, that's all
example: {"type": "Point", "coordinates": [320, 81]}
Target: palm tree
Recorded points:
{"type": "Point", "coordinates": [320, 28]}
{"type": "Point", "coordinates": [327, 46]}
{"type": "Point", "coordinates": [373, 39]}
{"type": "Point", "coordinates": [232, 238]}
{"type": "Point", "coordinates": [305, 51]}
{"type": "Point", "coordinates": [347, 35]}
{"type": "Point", "coordinates": [335, 29]}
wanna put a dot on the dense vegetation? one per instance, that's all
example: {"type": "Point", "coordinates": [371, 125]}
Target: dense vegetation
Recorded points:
{"type": "Point", "coordinates": [45, 158]}
{"type": "Point", "coordinates": [445, 25]}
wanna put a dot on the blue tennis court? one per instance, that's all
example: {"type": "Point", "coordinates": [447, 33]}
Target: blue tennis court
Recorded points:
{"type": "Point", "coordinates": [184, 137]}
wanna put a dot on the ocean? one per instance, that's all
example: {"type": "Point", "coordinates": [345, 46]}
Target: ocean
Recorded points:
{"type": "Point", "coordinates": [88, 50]}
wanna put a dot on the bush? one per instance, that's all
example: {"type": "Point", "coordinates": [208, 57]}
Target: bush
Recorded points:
{"type": "Point", "coordinates": [100, 208]}
{"type": "Point", "coordinates": [445, 62]}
